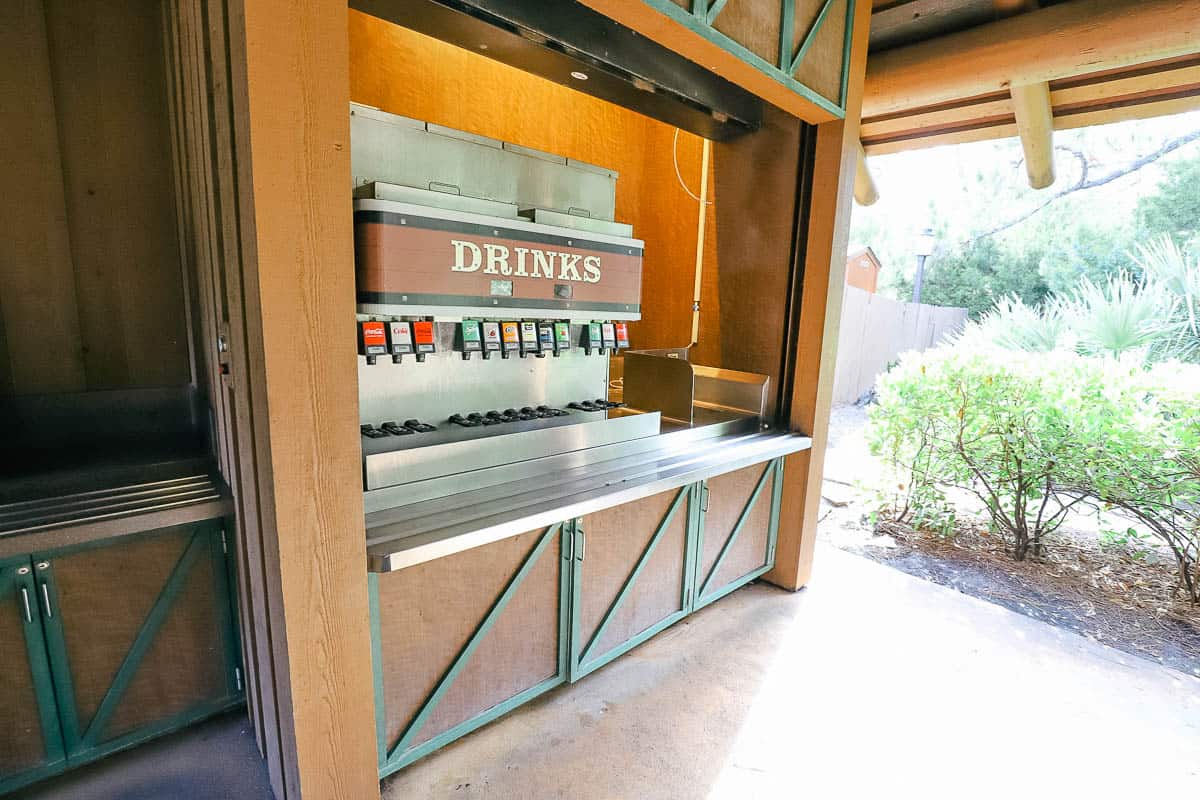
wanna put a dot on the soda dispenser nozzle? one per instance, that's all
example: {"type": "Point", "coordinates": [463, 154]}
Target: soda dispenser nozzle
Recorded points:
{"type": "Point", "coordinates": [424, 339]}
{"type": "Point", "coordinates": [372, 340]}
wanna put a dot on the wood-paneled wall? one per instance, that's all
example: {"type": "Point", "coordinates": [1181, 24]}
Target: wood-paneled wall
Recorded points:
{"type": "Point", "coordinates": [404, 72]}
{"type": "Point", "coordinates": [91, 288]}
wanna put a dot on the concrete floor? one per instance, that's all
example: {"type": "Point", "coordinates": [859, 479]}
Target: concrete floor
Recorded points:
{"type": "Point", "coordinates": [215, 760]}
{"type": "Point", "coordinates": [868, 683]}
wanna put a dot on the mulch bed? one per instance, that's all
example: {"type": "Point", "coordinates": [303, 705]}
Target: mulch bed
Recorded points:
{"type": "Point", "coordinates": [1120, 595]}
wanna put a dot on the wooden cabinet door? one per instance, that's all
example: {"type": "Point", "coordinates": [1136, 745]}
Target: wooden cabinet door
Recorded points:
{"type": "Point", "coordinates": [30, 740]}
{"type": "Point", "coordinates": [739, 521]}
{"type": "Point", "coordinates": [460, 640]}
{"type": "Point", "coordinates": [140, 635]}
{"type": "Point", "coordinates": [631, 576]}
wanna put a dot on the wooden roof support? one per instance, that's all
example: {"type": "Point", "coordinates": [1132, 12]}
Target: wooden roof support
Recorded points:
{"type": "Point", "coordinates": [1060, 41]}
{"type": "Point", "coordinates": [1035, 126]}
{"type": "Point", "coordinates": [865, 191]}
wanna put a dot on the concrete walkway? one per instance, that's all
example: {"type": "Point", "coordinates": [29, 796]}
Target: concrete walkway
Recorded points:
{"type": "Point", "coordinates": [868, 684]}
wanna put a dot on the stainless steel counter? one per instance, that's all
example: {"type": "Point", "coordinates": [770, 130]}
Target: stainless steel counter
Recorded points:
{"type": "Point", "coordinates": [420, 522]}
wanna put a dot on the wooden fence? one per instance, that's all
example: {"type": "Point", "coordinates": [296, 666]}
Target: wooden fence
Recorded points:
{"type": "Point", "coordinates": [876, 330]}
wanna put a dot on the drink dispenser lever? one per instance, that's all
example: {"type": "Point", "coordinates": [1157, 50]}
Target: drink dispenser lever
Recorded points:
{"type": "Point", "coordinates": [372, 340]}
{"type": "Point", "coordinates": [546, 340]}
{"type": "Point", "coordinates": [491, 339]}
{"type": "Point", "coordinates": [469, 339]}
{"type": "Point", "coordinates": [424, 340]}
{"type": "Point", "coordinates": [593, 338]}
{"type": "Point", "coordinates": [400, 342]}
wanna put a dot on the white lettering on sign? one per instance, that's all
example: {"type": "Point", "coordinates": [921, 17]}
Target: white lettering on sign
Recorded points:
{"type": "Point", "coordinates": [460, 249]}
{"type": "Point", "coordinates": [496, 259]}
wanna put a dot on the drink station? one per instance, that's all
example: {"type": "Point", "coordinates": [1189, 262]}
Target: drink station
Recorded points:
{"type": "Point", "coordinates": [541, 496]}
{"type": "Point", "coordinates": [372, 369]}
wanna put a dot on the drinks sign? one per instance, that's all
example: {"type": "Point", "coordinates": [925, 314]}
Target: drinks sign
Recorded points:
{"type": "Point", "coordinates": [409, 255]}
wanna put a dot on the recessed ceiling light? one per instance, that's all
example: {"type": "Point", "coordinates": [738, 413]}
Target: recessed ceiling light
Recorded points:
{"type": "Point", "coordinates": [579, 76]}
{"type": "Point", "coordinates": [483, 47]}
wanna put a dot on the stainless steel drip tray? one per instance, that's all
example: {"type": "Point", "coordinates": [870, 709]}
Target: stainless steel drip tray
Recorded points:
{"type": "Point", "coordinates": [453, 450]}
{"type": "Point", "coordinates": [554, 489]}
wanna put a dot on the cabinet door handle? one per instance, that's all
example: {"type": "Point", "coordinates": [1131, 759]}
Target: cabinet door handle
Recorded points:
{"type": "Point", "coordinates": [25, 600]}
{"type": "Point", "coordinates": [46, 602]}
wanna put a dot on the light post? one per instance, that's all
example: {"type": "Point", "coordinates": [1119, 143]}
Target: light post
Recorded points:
{"type": "Point", "coordinates": [925, 245]}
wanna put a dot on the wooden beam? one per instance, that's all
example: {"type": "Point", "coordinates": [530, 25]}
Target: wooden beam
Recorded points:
{"type": "Point", "coordinates": [291, 94]}
{"type": "Point", "coordinates": [865, 191]}
{"type": "Point", "coordinates": [1060, 41]}
{"type": "Point", "coordinates": [1035, 126]}
{"type": "Point", "coordinates": [656, 26]}
{"type": "Point", "coordinates": [1158, 88]}
{"type": "Point", "coordinates": [824, 282]}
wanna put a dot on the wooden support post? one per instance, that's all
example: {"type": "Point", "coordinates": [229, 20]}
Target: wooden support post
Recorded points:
{"type": "Point", "coordinates": [290, 87]}
{"type": "Point", "coordinates": [1035, 126]}
{"type": "Point", "coordinates": [1075, 38]}
{"type": "Point", "coordinates": [865, 191]}
{"type": "Point", "coordinates": [828, 228]}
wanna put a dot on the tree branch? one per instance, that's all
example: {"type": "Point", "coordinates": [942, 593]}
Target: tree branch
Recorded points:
{"type": "Point", "coordinates": [1086, 182]}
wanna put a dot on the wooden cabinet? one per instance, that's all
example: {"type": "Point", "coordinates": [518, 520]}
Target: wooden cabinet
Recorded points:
{"type": "Point", "coordinates": [458, 641]}
{"type": "Point", "coordinates": [461, 640]}
{"type": "Point", "coordinates": [122, 642]}
{"type": "Point", "coordinates": [631, 577]}
{"type": "Point", "coordinates": [738, 524]}
{"type": "Point", "coordinates": [32, 743]}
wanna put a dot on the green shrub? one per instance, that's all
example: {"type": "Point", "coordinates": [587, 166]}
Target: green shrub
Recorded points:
{"type": "Point", "coordinates": [1142, 456]}
{"type": "Point", "coordinates": [1033, 437]}
{"type": "Point", "coordinates": [989, 422]}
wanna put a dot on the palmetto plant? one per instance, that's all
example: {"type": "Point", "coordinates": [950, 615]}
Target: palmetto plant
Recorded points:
{"type": "Point", "coordinates": [1157, 315]}
{"type": "Point", "coordinates": [1122, 315]}
{"type": "Point", "coordinates": [1164, 263]}
{"type": "Point", "coordinates": [1014, 325]}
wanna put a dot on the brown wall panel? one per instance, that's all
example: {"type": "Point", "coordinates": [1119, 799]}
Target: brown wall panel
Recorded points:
{"type": "Point", "coordinates": [37, 279]}
{"type": "Point", "coordinates": [91, 289]}
{"type": "Point", "coordinates": [110, 96]}
{"type": "Point", "coordinates": [756, 179]}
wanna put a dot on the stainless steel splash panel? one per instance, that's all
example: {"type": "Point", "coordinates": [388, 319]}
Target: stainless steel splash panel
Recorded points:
{"type": "Point", "coordinates": [665, 380]}
{"type": "Point", "coordinates": [400, 150]}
